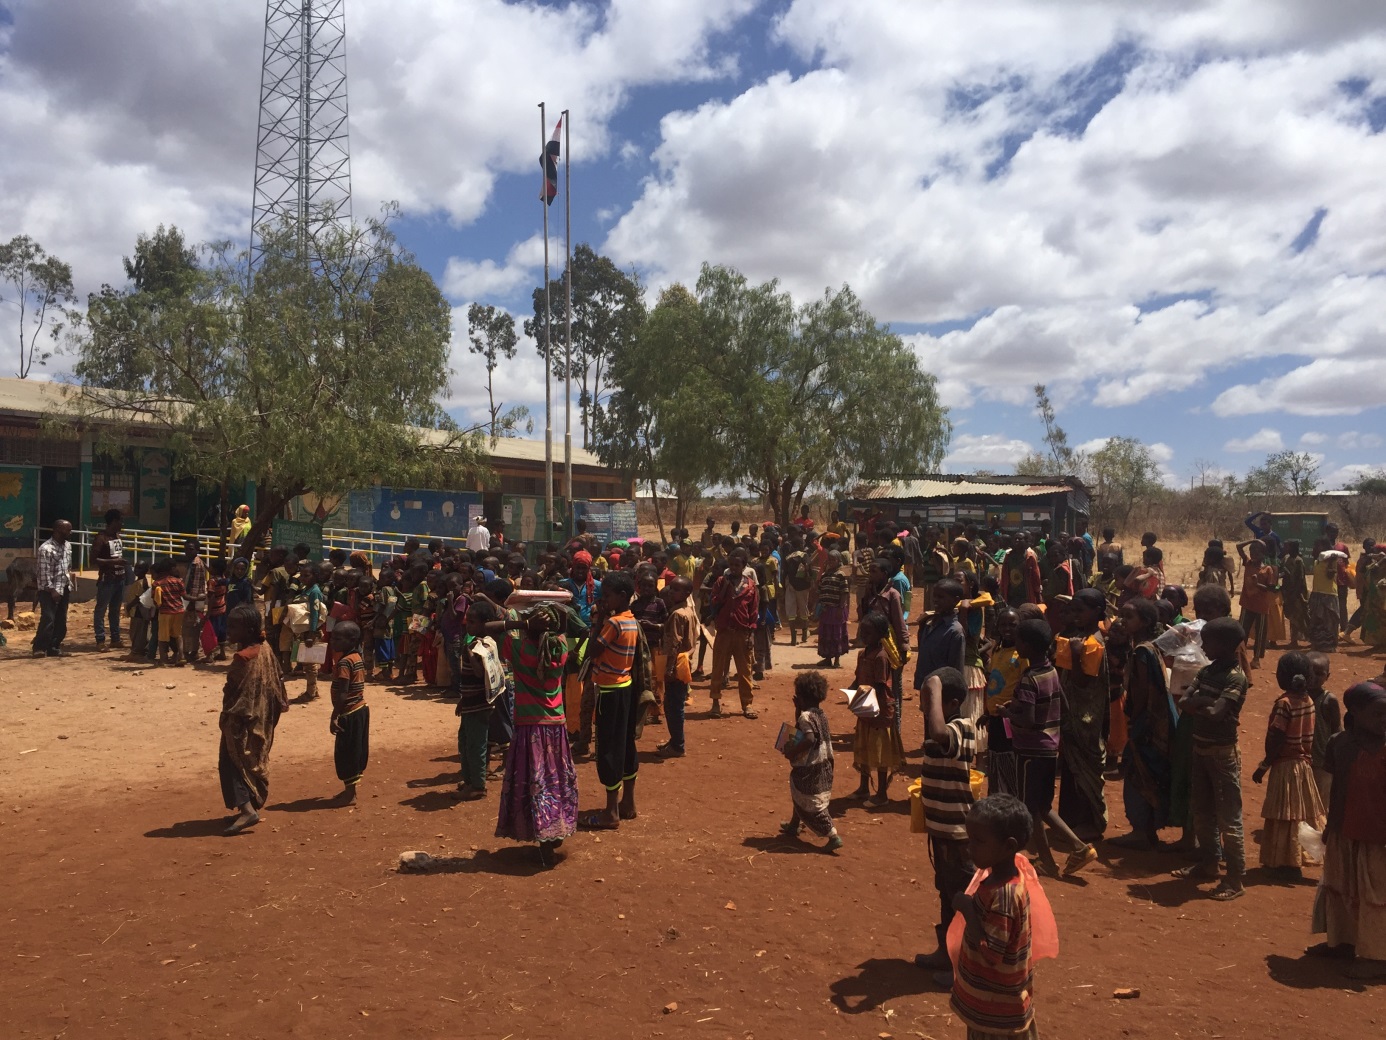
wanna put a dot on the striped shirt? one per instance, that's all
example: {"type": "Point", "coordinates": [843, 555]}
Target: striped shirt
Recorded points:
{"type": "Point", "coordinates": [55, 566]}
{"type": "Point", "coordinates": [994, 978]}
{"type": "Point", "coordinates": [348, 685]}
{"type": "Point", "coordinates": [946, 788]}
{"type": "Point", "coordinates": [1217, 680]}
{"type": "Point", "coordinates": [1293, 715]}
{"type": "Point", "coordinates": [615, 656]}
{"type": "Point", "coordinates": [1041, 688]}
{"type": "Point", "coordinates": [832, 589]}
{"type": "Point", "coordinates": [538, 669]}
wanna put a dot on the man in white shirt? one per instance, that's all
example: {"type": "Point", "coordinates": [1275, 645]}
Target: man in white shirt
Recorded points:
{"type": "Point", "coordinates": [55, 582]}
{"type": "Point", "coordinates": [478, 537]}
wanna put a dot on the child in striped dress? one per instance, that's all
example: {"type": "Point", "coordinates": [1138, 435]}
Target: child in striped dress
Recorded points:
{"type": "Point", "coordinates": [1292, 796]}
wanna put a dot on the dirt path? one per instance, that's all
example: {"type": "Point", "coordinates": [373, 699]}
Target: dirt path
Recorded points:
{"type": "Point", "coordinates": [126, 915]}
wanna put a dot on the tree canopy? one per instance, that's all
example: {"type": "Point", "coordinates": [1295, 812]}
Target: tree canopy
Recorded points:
{"type": "Point", "coordinates": [491, 337]}
{"type": "Point", "coordinates": [315, 377]}
{"type": "Point", "coordinates": [812, 395]}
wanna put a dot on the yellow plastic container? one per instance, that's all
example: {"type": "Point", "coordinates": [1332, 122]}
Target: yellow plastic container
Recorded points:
{"type": "Point", "coordinates": [979, 784]}
{"type": "Point", "coordinates": [916, 794]}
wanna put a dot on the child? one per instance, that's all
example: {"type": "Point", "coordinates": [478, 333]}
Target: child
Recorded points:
{"type": "Point", "coordinates": [833, 604]}
{"type": "Point", "coordinates": [1035, 714]}
{"type": "Point", "coordinates": [994, 981]}
{"type": "Point", "coordinates": [1349, 908]}
{"type": "Point", "coordinates": [877, 743]}
{"type": "Point", "coordinates": [539, 798]}
{"type": "Point", "coordinates": [1146, 759]}
{"type": "Point", "coordinates": [949, 744]}
{"type": "Point", "coordinates": [651, 611]}
{"type": "Point", "coordinates": [613, 662]}
{"type": "Point", "coordinates": [217, 587]}
{"type": "Point", "coordinates": [386, 620]}
{"type": "Point", "coordinates": [1004, 674]}
{"type": "Point", "coordinates": [680, 636]}
{"type": "Point", "coordinates": [1214, 570]}
{"type": "Point", "coordinates": [251, 702]}
{"type": "Point", "coordinates": [1294, 582]}
{"type": "Point", "coordinates": [1259, 581]}
{"type": "Point", "coordinates": [308, 591]}
{"type": "Point", "coordinates": [1292, 797]}
{"type": "Point", "coordinates": [168, 598]}
{"type": "Point", "coordinates": [1328, 722]}
{"type": "Point", "coordinates": [137, 613]}
{"type": "Point", "coordinates": [1215, 703]}
{"type": "Point", "coordinates": [239, 590]}
{"type": "Point", "coordinates": [810, 753]}
{"type": "Point", "coordinates": [351, 715]}
{"type": "Point", "coordinates": [479, 683]}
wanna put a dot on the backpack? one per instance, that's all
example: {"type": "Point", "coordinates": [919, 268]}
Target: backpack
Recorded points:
{"type": "Point", "coordinates": [797, 573]}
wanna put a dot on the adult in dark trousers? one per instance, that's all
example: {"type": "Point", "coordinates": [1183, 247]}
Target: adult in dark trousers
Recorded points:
{"type": "Point", "coordinates": [55, 584]}
{"type": "Point", "coordinates": [111, 569]}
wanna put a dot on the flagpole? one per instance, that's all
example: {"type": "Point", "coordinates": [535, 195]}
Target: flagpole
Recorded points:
{"type": "Point", "coordinates": [568, 319]}
{"type": "Point", "coordinates": [548, 335]}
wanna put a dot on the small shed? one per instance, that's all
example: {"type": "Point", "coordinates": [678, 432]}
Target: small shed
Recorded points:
{"type": "Point", "coordinates": [997, 502]}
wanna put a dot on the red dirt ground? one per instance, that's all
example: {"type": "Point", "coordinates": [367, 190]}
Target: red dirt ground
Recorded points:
{"type": "Point", "coordinates": [127, 915]}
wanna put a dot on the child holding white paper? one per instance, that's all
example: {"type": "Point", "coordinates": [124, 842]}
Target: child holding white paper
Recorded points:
{"type": "Point", "coordinates": [877, 745]}
{"type": "Point", "coordinates": [809, 749]}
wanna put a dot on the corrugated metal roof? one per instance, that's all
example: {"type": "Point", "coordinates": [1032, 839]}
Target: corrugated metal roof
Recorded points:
{"type": "Point", "coordinates": [33, 398]}
{"type": "Point", "coordinates": [945, 486]}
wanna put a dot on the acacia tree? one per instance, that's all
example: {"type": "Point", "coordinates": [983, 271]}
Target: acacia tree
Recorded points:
{"type": "Point", "coordinates": [1122, 471]}
{"type": "Point", "coordinates": [316, 377]}
{"type": "Point", "coordinates": [813, 396]}
{"type": "Point", "coordinates": [608, 309]}
{"type": "Point", "coordinates": [655, 427]}
{"type": "Point", "coordinates": [40, 284]}
{"type": "Point", "coordinates": [491, 335]}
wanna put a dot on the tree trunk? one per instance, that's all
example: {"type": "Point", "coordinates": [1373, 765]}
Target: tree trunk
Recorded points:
{"type": "Point", "coordinates": [269, 504]}
{"type": "Point", "coordinates": [222, 522]}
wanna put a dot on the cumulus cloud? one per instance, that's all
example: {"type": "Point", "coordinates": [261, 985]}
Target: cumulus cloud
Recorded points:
{"type": "Point", "coordinates": [471, 279]}
{"type": "Point", "coordinates": [990, 451]}
{"type": "Point", "coordinates": [1313, 439]}
{"type": "Point", "coordinates": [1353, 441]}
{"type": "Point", "coordinates": [1107, 196]}
{"type": "Point", "coordinates": [1263, 440]}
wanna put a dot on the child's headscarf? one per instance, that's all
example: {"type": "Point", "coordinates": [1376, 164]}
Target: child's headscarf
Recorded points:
{"type": "Point", "coordinates": [583, 556]}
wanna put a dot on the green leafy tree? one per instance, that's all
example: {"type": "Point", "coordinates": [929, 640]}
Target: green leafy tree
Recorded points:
{"type": "Point", "coordinates": [491, 336]}
{"type": "Point", "coordinates": [317, 377]}
{"type": "Point", "coordinates": [1122, 472]}
{"type": "Point", "coordinates": [39, 285]}
{"type": "Point", "coordinates": [163, 272]}
{"type": "Point", "coordinates": [655, 426]}
{"type": "Point", "coordinates": [1284, 473]}
{"type": "Point", "coordinates": [608, 310]}
{"type": "Point", "coordinates": [813, 396]}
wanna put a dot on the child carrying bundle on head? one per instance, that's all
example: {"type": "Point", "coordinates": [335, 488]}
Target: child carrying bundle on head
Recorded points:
{"type": "Point", "coordinates": [1292, 797]}
{"type": "Point", "coordinates": [810, 753]}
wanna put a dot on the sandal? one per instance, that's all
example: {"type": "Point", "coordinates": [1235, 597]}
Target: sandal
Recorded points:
{"type": "Point", "coordinates": [1196, 872]}
{"type": "Point", "coordinates": [716, 711]}
{"type": "Point", "coordinates": [1079, 859]}
{"type": "Point", "coordinates": [753, 715]}
{"type": "Point", "coordinates": [595, 822]}
{"type": "Point", "coordinates": [1225, 893]}
{"type": "Point", "coordinates": [789, 828]}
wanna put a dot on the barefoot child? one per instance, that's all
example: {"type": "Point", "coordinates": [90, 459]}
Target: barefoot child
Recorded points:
{"type": "Point", "coordinates": [1349, 907]}
{"type": "Point", "coordinates": [168, 598]}
{"type": "Point", "coordinates": [252, 700]}
{"type": "Point", "coordinates": [613, 663]}
{"type": "Point", "coordinates": [1292, 797]}
{"type": "Point", "coordinates": [810, 754]}
{"type": "Point", "coordinates": [993, 984]}
{"type": "Point", "coordinates": [351, 715]}
{"type": "Point", "coordinates": [877, 743]}
{"type": "Point", "coordinates": [680, 636]}
{"type": "Point", "coordinates": [1035, 713]}
{"type": "Point", "coordinates": [1216, 704]}
{"type": "Point", "coordinates": [950, 741]}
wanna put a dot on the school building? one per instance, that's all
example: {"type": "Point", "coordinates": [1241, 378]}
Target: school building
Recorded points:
{"type": "Point", "coordinates": [64, 473]}
{"type": "Point", "coordinates": [998, 502]}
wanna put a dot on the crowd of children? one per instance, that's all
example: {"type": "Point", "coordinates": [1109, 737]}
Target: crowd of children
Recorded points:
{"type": "Point", "coordinates": [1045, 662]}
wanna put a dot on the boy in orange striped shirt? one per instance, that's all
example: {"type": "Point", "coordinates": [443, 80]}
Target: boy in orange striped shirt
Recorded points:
{"type": "Point", "coordinates": [613, 662]}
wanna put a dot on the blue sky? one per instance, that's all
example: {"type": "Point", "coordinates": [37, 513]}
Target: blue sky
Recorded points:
{"type": "Point", "coordinates": [1168, 212]}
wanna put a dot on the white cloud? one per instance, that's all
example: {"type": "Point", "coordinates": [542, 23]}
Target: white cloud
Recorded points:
{"type": "Point", "coordinates": [1192, 179]}
{"type": "Point", "coordinates": [991, 451]}
{"type": "Point", "coordinates": [1353, 441]}
{"type": "Point", "coordinates": [1334, 479]}
{"type": "Point", "coordinates": [473, 280]}
{"type": "Point", "coordinates": [1263, 440]}
{"type": "Point", "coordinates": [1313, 439]}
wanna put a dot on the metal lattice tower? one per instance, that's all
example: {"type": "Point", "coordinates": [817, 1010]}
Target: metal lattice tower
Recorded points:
{"type": "Point", "coordinates": [302, 161]}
